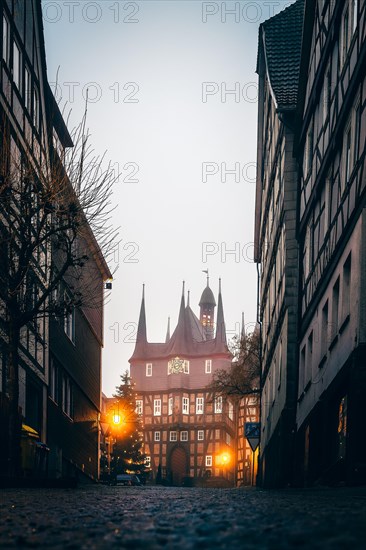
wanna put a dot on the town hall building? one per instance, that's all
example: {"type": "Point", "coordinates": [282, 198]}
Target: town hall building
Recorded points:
{"type": "Point", "coordinates": [188, 432]}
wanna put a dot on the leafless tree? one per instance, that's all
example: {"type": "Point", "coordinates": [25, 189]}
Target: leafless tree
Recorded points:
{"type": "Point", "coordinates": [243, 377]}
{"type": "Point", "coordinates": [53, 217]}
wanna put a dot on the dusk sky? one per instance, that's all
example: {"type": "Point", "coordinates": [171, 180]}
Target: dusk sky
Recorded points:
{"type": "Point", "coordinates": [148, 66]}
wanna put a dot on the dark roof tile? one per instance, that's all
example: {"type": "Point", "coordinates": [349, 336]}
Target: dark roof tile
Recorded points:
{"type": "Point", "coordinates": [281, 37]}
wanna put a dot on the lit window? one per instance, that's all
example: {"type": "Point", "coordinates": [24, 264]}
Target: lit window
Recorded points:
{"type": "Point", "coordinates": [170, 406]}
{"type": "Point", "coordinates": [218, 404]}
{"type": "Point", "coordinates": [157, 436]}
{"type": "Point", "coordinates": [208, 461]}
{"type": "Point", "coordinates": [157, 407]}
{"type": "Point", "coordinates": [148, 369]}
{"type": "Point", "coordinates": [185, 405]}
{"type": "Point", "coordinates": [173, 436]}
{"type": "Point", "coordinates": [200, 435]}
{"type": "Point", "coordinates": [16, 65]}
{"type": "Point", "coordinates": [139, 406]}
{"type": "Point", "coordinates": [208, 366]}
{"type": "Point", "coordinates": [199, 405]}
{"type": "Point", "coordinates": [184, 436]}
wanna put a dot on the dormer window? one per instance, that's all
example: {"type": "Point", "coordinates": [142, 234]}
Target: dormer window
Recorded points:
{"type": "Point", "coordinates": [148, 369]}
{"type": "Point", "coordinates": [208, 366]}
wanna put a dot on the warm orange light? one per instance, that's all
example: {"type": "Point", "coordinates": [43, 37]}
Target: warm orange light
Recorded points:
{"type": "Point", "coordinates": [225, 458]}
{"type": "Point", "coordinates": [116, 419]}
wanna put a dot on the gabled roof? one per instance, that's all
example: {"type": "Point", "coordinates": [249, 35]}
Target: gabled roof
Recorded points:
{"type": "Point", "coordinates": [280, 41]}
{"type": "Point", "coordinates": [188, 339]}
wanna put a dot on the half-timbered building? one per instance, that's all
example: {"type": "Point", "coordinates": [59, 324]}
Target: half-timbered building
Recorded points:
{"type": "Point", "coordinates": [247, 459]}
{"type": "Point", "coordinates": [188, 433]}
{"type": "Point", "coordinates": [331, 408]}
{"type": "Point", "coordinates": [276, 248]}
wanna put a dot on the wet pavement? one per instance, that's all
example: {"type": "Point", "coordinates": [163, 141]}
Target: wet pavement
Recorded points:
{"type": "Point", "coordinates": [166, 517]}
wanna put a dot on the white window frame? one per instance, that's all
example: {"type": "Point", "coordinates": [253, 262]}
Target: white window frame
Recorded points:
{"type": "Point", "coordinates": [36, 108]}
{"type": "Point", "coordinates": [173, 436]}
{"type": "Point", "coordinates": [185, 405]}
{"type": "Point", "coordinates": [157, 407]}
{"type": "Point", "coordinates": [231, 411]}
{"type": "Point", "coordinates": [218, 404]}
{"type": "Point", "coordinates": [208, 366]}
{"type": "Point", "coordinates": [27, 88]}
{"type": "Point", "coordinates": [170, 406]}
{"type": "Point", "coordinates": [6, 34]}
{"type": "Point", "coordinates": [157, 437]}
{"type": "Point", "coordinates": [184, 435]}
{"type": "Point", "coordinates": [66, 395]}
{"type": "Point", "coordinates": [200, 403]}
{"type": "Point", "coordinates": [139, 406]}
{"type": "Point", "coordinates": [208, 461]}
{"type": "Point", "coordinates": [200, 435]}
{"type": "Point", "coordinates": [69, 325]}
{"type": "Point", "coordinates": [148, 369]}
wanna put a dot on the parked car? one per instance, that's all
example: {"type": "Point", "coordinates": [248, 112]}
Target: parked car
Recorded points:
{"type": "Point", "coordinates": [127, 479]}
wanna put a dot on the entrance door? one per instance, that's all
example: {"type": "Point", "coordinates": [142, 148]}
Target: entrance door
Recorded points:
{"type": "Point", "coordinates": [178, 465]}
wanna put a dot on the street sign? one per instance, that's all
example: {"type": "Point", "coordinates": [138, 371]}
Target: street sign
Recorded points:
{"type": "Point", "coordinates": [252, 433]}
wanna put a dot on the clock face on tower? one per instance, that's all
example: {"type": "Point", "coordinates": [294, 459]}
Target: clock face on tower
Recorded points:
{"type": "Point", "coordinates": [176, 366]}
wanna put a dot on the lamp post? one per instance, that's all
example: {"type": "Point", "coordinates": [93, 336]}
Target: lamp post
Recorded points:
{"type": "Point", "coordinates": [116, 421]}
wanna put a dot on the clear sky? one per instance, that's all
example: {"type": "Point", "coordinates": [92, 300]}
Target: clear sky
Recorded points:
{"type": "Point", "coordinates": [159, 75]}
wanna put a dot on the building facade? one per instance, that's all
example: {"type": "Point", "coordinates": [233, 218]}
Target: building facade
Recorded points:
{"type": "Point", "coordinates": [318, 59]}
{"type": "Point", "coordinates": [247, 459]}
{"type": "Point", "coordinates": [332, 377]}
{"type": "Point", "coordinates": [187, 431]}
{"type": "Point", "coordinates": [57, 385]}
{"type": "Point", "coordinates": [24, 130]}
{"type": "Point", "coordinates": [276, 247]}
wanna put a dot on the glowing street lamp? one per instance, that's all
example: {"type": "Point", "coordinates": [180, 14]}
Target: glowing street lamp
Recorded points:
{"type": "Point", "coordinates": [116, 419]}
{"type": "Point", "coordinates": [225, 459]}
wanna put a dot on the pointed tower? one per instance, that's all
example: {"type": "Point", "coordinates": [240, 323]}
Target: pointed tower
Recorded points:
{"type": "Point", "coordinates": [221, 344]}
{"type": "Point", "coordinates": [167, 337]}
{"type": "Point", "coordinates": [141, 337]}
{"type": "Point", "coordinates": [243, 334]}
{"type": "Point", "coordinates": [207, 310]}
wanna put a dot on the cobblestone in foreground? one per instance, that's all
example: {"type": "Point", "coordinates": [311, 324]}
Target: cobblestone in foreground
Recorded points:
{"type": "Point", "coordinates": [158, 517]}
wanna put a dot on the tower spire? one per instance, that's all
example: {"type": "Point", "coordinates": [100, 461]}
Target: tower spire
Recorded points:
{"type": "Point", "coordinates": [208, 276]}
{"type": "Point", "coordinates": [243, 334]}
{"type": "Point", "coordinates": [207, 308]}
{"type": "Point", "coordinates": [141, 337]}
{"type": "Point", "coordinates": [188, 297]}
{"type": "Point", "coordinates": [167, 338]}
{"type": "Point", "coordinates": [221, 344]}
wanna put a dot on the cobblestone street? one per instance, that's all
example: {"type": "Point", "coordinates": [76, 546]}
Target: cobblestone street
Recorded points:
{"type": "Point", "coordinates": [157, 517]}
